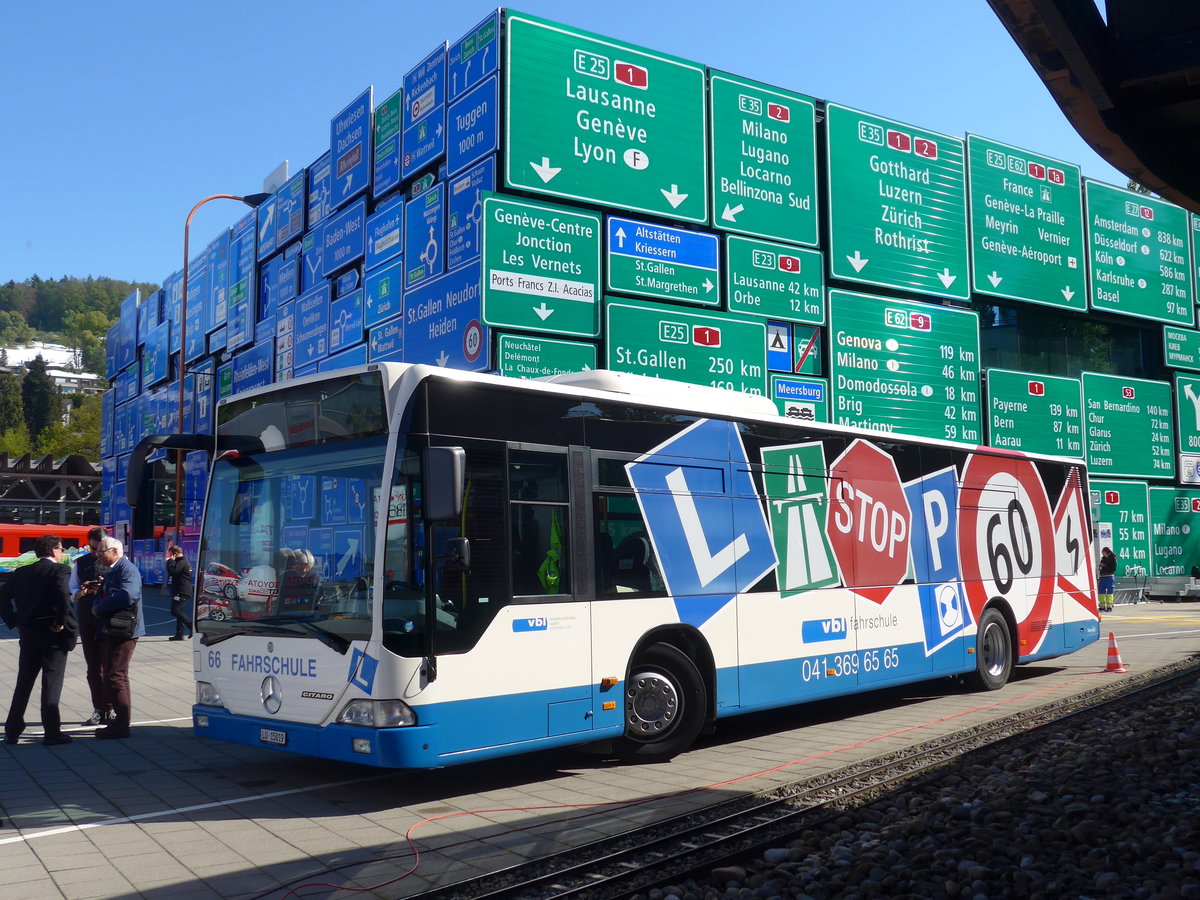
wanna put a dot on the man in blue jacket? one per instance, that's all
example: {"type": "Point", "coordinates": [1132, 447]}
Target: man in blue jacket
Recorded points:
{"type": "Point", "coordinates": [119, 588]}
{"type": "Point", "coordinates": [38, 601]}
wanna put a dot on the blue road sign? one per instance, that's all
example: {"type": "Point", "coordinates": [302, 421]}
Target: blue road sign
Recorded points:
{"type": "Point", "coordinates": [384, 294]}
{"type": "Point", "coordinates": [346, 282]}
{"type": "Point", "coordinates": [266, 329]}
{"type": "Point", "coordinates": [350, 139]}
{"type": "Point", "coordinates": [267, 227]}
{"type": "Point", "coordinates": [779, 346]}
{"type": "Point", "coordinates": [268, 284]}
{"type": "Point", "coordinates": [464, 212]}
{"type": "Point", "coordinates": [473, 126]}
{"type": "Point", "coordinates": [127, 350]}
{"type": "Point", "coordinates": [287, 283]}
{"type": "Point", "coordinates": [706, 522]}
{"type": "Point", "coordinates": [387, 151]}
{"type": "Point", "coordinates": [424, 136]}
{"type": "Point", "coordinates": [661, 243]}
{"type": "Point", "coordinates": [344, 238]}
{"type": "Point", "coordinates": [387, 342]}
{"type": "Point", "coordinates": [254, 367]}
{"type": "Point", "coordinates": [290, 204]}
{"type": "Point", "coordinates": [320, 189]}
{"type": "Point", "coordinates": [351, 356]}
{"type": "Point", "coordinates": [312, 255]}
{"type": "Point", "coordinates": [218, 339]}
{"type": "Point", "coordinates": [155, 357]}
{"type": "Point", "coordinates": [310, 327]}
{"type": "Point", "coordinates": [474, 56]}
{"type": "Point", "coordinates": [346, 321]}
{"type": "Point", "coordinates": [424, 236]}
{"type": "Point", "coordinates": [385, 227]}
{"type": "Point", "coordinates": [443, 322]}
{"type": "Point", "coordinates": [944, 609]}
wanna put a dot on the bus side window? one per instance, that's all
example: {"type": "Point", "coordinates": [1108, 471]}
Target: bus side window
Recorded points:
{"type": "Point", "coordinates": [539, 518]}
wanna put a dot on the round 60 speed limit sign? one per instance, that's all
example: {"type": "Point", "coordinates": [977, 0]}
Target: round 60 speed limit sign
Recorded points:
{"type": "Point", "coordinates": [1006, 540]}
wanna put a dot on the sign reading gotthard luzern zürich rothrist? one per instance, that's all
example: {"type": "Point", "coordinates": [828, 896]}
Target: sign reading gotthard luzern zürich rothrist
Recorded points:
{"type": "Point", "coordinates": [764, 160]}
{"type": "Point", "coordinates": [1140, 255]}
{"type": "Point", "coordinates": [541, 267]}
{"type": "Point", "coordinates": [1026, 226]}
{"type": "Point", "coordinates": [1130, 426]}
{"type": "Point", "coordinates": [897, 205]}
{"type": "Point", "coordinates": [593, 119]}
{"type": "Point", "coordinates": [903, 366]}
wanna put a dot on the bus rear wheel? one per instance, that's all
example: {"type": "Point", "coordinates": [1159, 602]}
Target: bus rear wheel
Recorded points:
{"type": "Point", "coordinates": [993, 652]}
{"type": "Point", "coordinates": [665, 703]}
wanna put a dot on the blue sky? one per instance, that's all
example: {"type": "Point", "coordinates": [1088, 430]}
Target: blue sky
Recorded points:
{"type": "Point", "coordinates": [117, 117]}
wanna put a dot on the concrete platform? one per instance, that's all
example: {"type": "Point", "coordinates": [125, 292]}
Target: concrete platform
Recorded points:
{"type": "Point", "coordinates": [165, 814]}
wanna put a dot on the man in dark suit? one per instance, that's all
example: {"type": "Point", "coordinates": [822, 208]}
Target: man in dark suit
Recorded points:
{"type": "Point", "coordinates": [37, 600]}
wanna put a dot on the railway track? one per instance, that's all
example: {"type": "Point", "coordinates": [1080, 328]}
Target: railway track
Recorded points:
{"type": "Point", "coordinates": [691, 846]}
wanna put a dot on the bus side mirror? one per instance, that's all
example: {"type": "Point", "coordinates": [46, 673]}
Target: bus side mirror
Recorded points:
{"type": "Point", "coordinates": [445, 479]}
{"type": "Point", "coordinates": [458, 555]}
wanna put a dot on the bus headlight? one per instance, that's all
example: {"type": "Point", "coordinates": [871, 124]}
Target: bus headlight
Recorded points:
{"type": "Point", "coordinates": [377, 714]}
{"type": "Point", "coordinates": [208, 695]}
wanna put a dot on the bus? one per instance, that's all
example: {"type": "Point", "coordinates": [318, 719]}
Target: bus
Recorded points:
{"type": "Point", "coordinates": [599, 558]}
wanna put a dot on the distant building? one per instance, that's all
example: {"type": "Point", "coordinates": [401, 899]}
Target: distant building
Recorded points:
{"type": "Point", "coordinates": [62, 365]}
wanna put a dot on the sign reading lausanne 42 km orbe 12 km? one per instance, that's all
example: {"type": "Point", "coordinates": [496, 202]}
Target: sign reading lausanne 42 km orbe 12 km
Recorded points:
{"type": "Point", "coordinates": [1026, 226]}
{"type": "Point", "coordinates": [897, 205]}
{"type": "Point", "coordinates": [592, 119]}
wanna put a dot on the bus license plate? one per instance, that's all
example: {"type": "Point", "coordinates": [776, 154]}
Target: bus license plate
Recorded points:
{"type": "Point", "coordinates": [270, 736]}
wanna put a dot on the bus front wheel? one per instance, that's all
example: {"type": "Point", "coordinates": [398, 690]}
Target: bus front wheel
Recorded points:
{"type": "Point", "coordinates": [993, 652]}
{"type": "Point", "coordinates": [665, 703]}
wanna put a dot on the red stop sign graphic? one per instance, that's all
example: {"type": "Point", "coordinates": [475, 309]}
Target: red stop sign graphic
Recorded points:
{"type": "Point", "coordinates": [1006, 543]}
{"type": "Point", "coordinates": [869, 521]}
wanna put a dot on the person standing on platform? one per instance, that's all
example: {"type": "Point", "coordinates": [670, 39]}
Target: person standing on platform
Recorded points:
{"type": "Point", "coordinates": [179, 582]}
{"type": "Point", "coordinates": [37, 600]}
{"type": "Point", "coordinates": [89, 568]}
{"type": "Point", "coordinates": [1106, 586]}
{"type": "Point", "coordinates": [120, 588]}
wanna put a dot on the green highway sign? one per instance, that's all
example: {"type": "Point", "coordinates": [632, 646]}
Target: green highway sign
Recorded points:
{"type": "Point", "coordinates": [1187, 415]}
{"type": "Point", "coordinates": [777, 281]}
{"type": "Point", "coordinates": [1181, 347]}
{"type": "Point", "coordinates": [1035, 413]}
{"type": "Point", "coordinates": [801, 397]}
{"type": "Point", "coordinates": [541, 267]}
{"type": "Point", "coordinates": [809, 359]}
{"type": "Point", "coordinates": [1129, 428]}
{"type": "Point", "coordinates": [897, 205]}
{"type": "Point", "coordinates": [527, 356]}
{"type": "Point", "coordinates": [665, 341]}
{"type": "Point", "coordinates": [597, 120]}
{"type": "Point", "coordinates": [898, 365]}
{"type": "Point", "coordinates": [764, 160]}
{"type": "Point", "coordinates": [1175, 530]}
{"type": "Point", "coordinates": [1121, 517]}
{"type": "Point", "coordinates": [653, 260]}
{"type": "Point", "coordinates": [1026, 226]}
{"type": "Point", "coordinates": [1140, 255]}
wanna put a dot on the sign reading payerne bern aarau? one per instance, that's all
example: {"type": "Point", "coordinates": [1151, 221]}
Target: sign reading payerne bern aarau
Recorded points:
{"type": "Point", "coordinates": [897, 205]}
{"type": "Point", "coordinates": [1140, 255]}
{"type": "Point", "coordinates": [1026, 226]}
{"type": "Point", "coordinates": [1035, 413]}
{"type": "Point", "coordinates": [592, 119]}
{"type": "Point", "coordinates": [764, 158]}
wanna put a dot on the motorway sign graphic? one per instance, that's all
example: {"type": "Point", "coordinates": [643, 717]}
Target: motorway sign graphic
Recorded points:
{"type": "Point", "coordinates": [1026, 226]}
{"type": "Point", "coordinates": [898, 365]}
{"type": "Point", "coordinates": [593, 119]}
{"type": "Point", "coordinates": [541, 267]}
{"type": "Point", "coordinates": [897, 205]}
{"type": "Point", "coordinates": [778, 281]}
{"type": "Point", "coordinates": [665, 341]}
{"type": "Point", "coordinates": [652, 260]}
{"type": "Point", "coordinates": [1140, 255]}
{"type": "Point", "coordinates": [1035, 413]}
{"type": "Point", "coordinates": [1129, 426]}
{"type": "Point", "coordinates": [764, 146]}
{"type": "Point", "coordinates": [794, 483]}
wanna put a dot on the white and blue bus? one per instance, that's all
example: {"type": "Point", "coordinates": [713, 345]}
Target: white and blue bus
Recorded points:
{"type": "Point", "coordinates": [501, 565]}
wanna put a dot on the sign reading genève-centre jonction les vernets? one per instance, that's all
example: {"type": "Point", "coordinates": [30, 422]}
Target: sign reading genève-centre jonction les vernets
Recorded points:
{"type": "Point", "coordinates": [531, 198]}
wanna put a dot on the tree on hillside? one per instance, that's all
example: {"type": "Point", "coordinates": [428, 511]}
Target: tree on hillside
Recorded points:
{"type": "Point", "coordinates": [40, 400]}
{"type": "Point", "coordinates": [80, 435]}
{"type": "Point", "coordinates": [11, 414]}
{"type": "Point", "coordinates": [15, 441]}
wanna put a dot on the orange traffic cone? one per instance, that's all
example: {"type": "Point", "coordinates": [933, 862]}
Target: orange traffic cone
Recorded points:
{"type": "Point", "coordinates": [1114, 656]}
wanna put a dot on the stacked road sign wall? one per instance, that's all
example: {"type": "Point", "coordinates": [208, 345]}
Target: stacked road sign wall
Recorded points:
{"type": "Point", "coordinates": [536, 199]}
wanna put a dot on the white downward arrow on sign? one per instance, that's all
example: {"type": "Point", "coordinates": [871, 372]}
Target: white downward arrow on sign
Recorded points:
{"type": "Point", "coordinates": [858, 261]}
{"type": "Point", "coordinates": [995, 279]}
{"type": "Point", "coordinates": [708, 566]}
{"type": "Point", "coordinates": [946, 278]}
{"type": "Point", "coordinates": [673, 196]}
{"type": "Point", "coordinates": [545, 170]}
{"type": "Point", "coordinates": [1067, 293]}
{"type": "Point", "coordinates": [543, 311]}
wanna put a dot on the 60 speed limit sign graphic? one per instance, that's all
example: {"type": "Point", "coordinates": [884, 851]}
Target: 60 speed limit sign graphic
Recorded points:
{"type": "Point", "coordinates": [1006, 536]}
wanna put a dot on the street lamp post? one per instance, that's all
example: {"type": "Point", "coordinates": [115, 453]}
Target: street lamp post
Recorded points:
{"type": "Point", "coordinates": [253, 201]}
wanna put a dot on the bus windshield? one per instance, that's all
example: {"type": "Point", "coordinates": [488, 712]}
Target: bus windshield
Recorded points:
{"type": "Point", "coordinates": [287, 545]}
